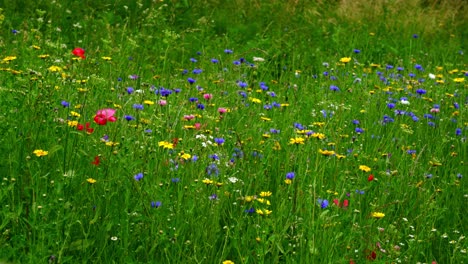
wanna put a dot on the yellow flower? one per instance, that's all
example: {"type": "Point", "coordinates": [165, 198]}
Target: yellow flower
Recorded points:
{"type": "Point", "coordinates": [106, 58]}
{"type": "Point", "coordinates": [249, 199]}
{"type": "Point", "coordinates": [166, 145]}
{"type": "Point", "coordinates": [36, 47]}
{"type": "Point", "coordinates": [265, 194]}
{"type": "Point", "coordinates": [228, 262]}
{"type": "Point", "coordinates": [91, 180]}
{"type": "Point", "coordinates": [54, 68]}
{"type": "Point", "coordinates": [207, 181]}
{"type": "Point", "coordinates": [265, 201]}
{"type": "Point", "coordinates": [255, 100]}
{"type": "Point", "coordinates": [327, 152]}
{"type": "Point", "coordinates": [318, 135]}
{"type": "Point", "coordinates": [345, 59]}
{"type": "Point", "coordinates": [148, 102]}
{"type": "Point", "coordinates": [364, 168]}
{"type": "Point", "coordinates": [43, 56]}
{"type": "Point", "coordinates": [378, 215]}
{"type": "Point", "coordinates": [459, 80]}
{"type": "Point", "coordinates": [40, 152]}
{"type": "Point", "coordinates": [435, 163]}
{"type": "Point", "coordinates": [266, 135]}
{"type": "Point", "coordinates": [298, 140]}
{"type": "Point", "coordinates": [263, 212]}
{"type": "Point", "coordinates": [185, 156]}
{"type": "Point", "coordinates": [265, 118]}
{"type": "Point", "coordinates": [277, 146]}
{"type": "Point", "coordinates": [111, 143]}
{"type": "Point", "coordinates": [75, 114]}
{"type": "Point", "coordinates": [287, 181]}
{"type": "Point", "coordinates": [9, 58]}
{"type": "Point", "coordinates": [72, 123]}
{"type": "Point", "coordinates": [318, 124]}
{"type": "Point", "coordinates": [340, 156]}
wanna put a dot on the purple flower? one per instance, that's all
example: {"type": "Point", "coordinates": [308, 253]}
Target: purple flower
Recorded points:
{"type": "Point", "coordinates": [323, 203]}
{"type": "Point", "coordinates": [459, 175]}
{"type": "Point", "coordinates": [197, 71]}
{"type": "Point", "coordinates": [290, 175]}
{"type": "Point", "coordinates": [356, 51]}
{"type": "Point", "coordinates": [129, 117]}
{"type": "Point", "coordinates": [334, 88]}
{"type": "Point", "coordinates": [415, 36]}
{"type": "Point", "coordinates": [356, 122]}
{"type": "Point", "coordinates": [263, 86]}
{"type": "Point", "coordinates": [193, 60]}
{"type": "Point", "coordinates": [359, 130]}
{"type": "Point", "coordinates": [191, 80]}
{"type": "Point", "coordinates": [175, 180]}
{"type": "Point", "coordinates": [274, 131]}
{"type": "Point", "coordinates": [133, 77]}
{"type": "Point", "coordinates": [138, 176]}
{"type": "Point", "coordinates": [65, 104]}
{"type": "Point", "coordinates": [213, 197]}
{"type": "Point", "coordinates": [458, 131]}
{"type": "Point", "coordinates": [418, 67]}
{"type": "Point", "coordinates": [156, 204]}
{"type": "Point", "coordinates": [219, 141]}
{"type": "Point", "coordinates": [214, 60]}
{"type": "Point", "coordinates": [212, 170]}
{"type": "Point", "coordinates": [421, 91]}
{"type": "Point", "coordinates": [185, 71]}
{"type": "Point", "coordinates": [228, 51]}
{"type": "Point", "coordinates": [193, 99]}
{"type": "Point", "coordinates": [138, 106]}
{"type": "Point", "coordinates": [236, 62]}
{"type": "Point", "coordinates": [400, 69]}
{"type": "Point", "coordinates": [391, 105]}
{"type": "Point", "coordinates": [130, 90]}
{"type": "Point", "coordinates": [242, 84]}
{"type": "Point", "coordinates": [201, 106]}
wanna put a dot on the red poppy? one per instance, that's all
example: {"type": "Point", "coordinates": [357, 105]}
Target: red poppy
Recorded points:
{"type": "Point", "coordinates": [372, 256]}
{"type": "Point", "coordinates": [345, 203]}
{"type": "Point", "coordinates": [104, 115]}
{"type": "Point", "coordinates": [79, 52]}
{"type": "Point", "coordinates": [96, 161]}
{"type": "Point", "coordinates": [370, 178]}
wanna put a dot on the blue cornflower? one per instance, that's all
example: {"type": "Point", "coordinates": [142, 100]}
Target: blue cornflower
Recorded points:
{"type": "Point", "coordinates": [201, 106]}
{"type": "Point", "coordinates": [243, 94]}
{"type": "Point", "coordinates": [355, 122]}
{"type": "Point", "coordinates": [177, 90]}
{"type": "Point", "coordinates": [213, 197]}
{"type": "Point", "coordinates": [130, 90]}
{"type": "Point", "coordinates": [456, 105]}
{"type": "Point", "coordinates": [458, 131]}
{"type": "Point", "coordinates": [194, 158]}
{"type": "Point", "coordinates": [391, 105]}
{"type": "Point", "coordinates": [138, 106]}
{"type": "Point", "coordinates": [193, 99]}
{"type": "Point", "coordinates": [197, 71]}
{"type": "Point", "coordinates": [250, 210]}
{"type": "Point", "coordinates": [214, 60]}
{"type": "Point", "coordinates": [14, 31]}
{"type": "Point", "coordinates": [387, 119]}
{"type": "Point", "coordinates": [263, 86]}
{"type": "Point", "coordinates": [149, 131]}
{"type": "Point", "coordinates": [421, 91]}
{"type": "Point", "coordinates": [129, 117]}
{"type": "Point", "coordinates": [323, 203]}
{"type": "Point", "coordinates": [356, 51]}
{"type": "Point", "coordinates": [228, 51]}
{"type": "Point", "coordinates": [212, 170]}
{"type": "Point", "coordinates": [184, 71]}
{"type": "Point", "coordinates": [156, 204]}
{"type": "Point", "coordinates": [65, 104]}
{"type": "Point", "coordinates": [415, 36]}
{"type": "Point", "coordinates": [298, 126]}
{"type": "Point", "coordinates": [411, 151]}
{"type": "Point", "coordinates": [325, 73]}
{"type": "Point", "coordinates": [165, 92]}
{"type": "Point", "coordinates": [236, 62]}
{"type": "Point", "coordinates": [334, 88]}
{"type": "Point", "coordinates": [400, 68]}
{"type": "Point", "coordinates": [175, 180]}
{"type": "Point", "coordinates": [290, 175]}
{"type": "Point", "coordinates": [272, 94]}
{"type": "Point", "coordinates": [219, 141]}
{"type": "Point", "coordinates": [193, 60]}
{"type": "Point", "coordinates": [267, 107]}
{"type": "Point", "coordinates": [274, 131]}
{"type": "Point", "coordinates": [428, 175]}
{"type": "Point", "coordinates": [418, 67]}
{"type": "Point", "coordinates": [459, 175]}
{"type": "Point", "coordinates": [389, 67]}
{"type": "Point", "coordinates": [191, 80]}
{"type": "Point", "coordinates": [275, 104]}
{"type": "Point", "coordinates": [432, 124]}
{"type": "Point", "coordinates": [411, 75]}
{"type": "Point", "coordinates": [360, 191]}
{"type": "Point", "coordinates": [428, 116]}
{"type": "Point", "coordinates": [138, 176]}
{"type": "Point", "coordinates": [242, 84]}
{"type": "Point", "coordinates": [415, 118]}
{"type": "Point", "coordinates": [359, 130]}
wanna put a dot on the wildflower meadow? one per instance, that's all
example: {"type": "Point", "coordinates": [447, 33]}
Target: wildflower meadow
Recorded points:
{"type": "Point", "coordinates": [239, 132]}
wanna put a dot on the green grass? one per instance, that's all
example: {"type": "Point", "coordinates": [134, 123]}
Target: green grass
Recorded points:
{"type": "Point", "coordinates": [199, 202]}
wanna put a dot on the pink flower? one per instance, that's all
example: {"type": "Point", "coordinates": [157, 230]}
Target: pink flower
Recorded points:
{"type": "Point", "coordinates": [197, 126]}
{"type": "Point", "coordinates": [162, 102]}
{"type": "Point", "coordinates": [435, 110]}
{"type": "Point", "coordinates": [189, 117]}
{"type": "Point", "coordinates": [207, 96]}
{"type": "Point", "coordinates": [104, 115]}
{"type": "Point", "coordinates": [222, 110]}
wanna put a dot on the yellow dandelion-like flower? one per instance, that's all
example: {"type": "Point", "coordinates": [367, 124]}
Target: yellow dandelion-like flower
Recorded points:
{"type": "Point", "coordinates": [318, 135]}
{"type": "Point", "coordinates": [36, 47]}
{"type": "Point", "coordinates": [266, 135]}
{"type": "Point", "coordinates": [377, 215]}
{"type": "Point", "coordinates": [40, 152]}
{"type": "Point", "coordinates": [54, 68]}
{"type": "Point", "coordinates": [72, 123]}
{"type": "Point", "coordinates": [166, 145]}
{"type": "Point", "coordinates": [265, 194]}
{"type": "Point", "coordinates": [91, 180]}
{"type": "Point", "coordinates": [263, 201]}
{"type": "Point", "coordinates": [111, 143]}
{"type": "Point", "coordinates": [228, 262]}
{"type": "Point", "coordinates": [364, 168]}
{"type": "Point", "coordinates": [263, 212]}
{"type": "Point", "coordinates": [459, 80]}
{"type": "Point", "coordinates": [207, 181]}
{"type": "Point", "coordinates": [255, 100]}
{"type": "Point", "coordinates": [318, 124]}
{"type": "Point", "coordinates": [327, 152]}
{"type": "Point", "coordinates": [43, 56]}
{"type": "Point", "coordinates": [285, 105]}
{"type": "Point", "coordinates": [75, 114]}
{"type": "Point", "coordinates": [9, 58]}
{"type": "Point", "coordinates": [340, 156]}
{"type": "Point", "coordinates": [185, 156]}
{"type": "Point", "coordinates": [265, 118]}
{"type": "Point", "coordinates": [277, 146]}
{"type": "Point", "coordinates": [287, 181]}
{"type": "Point", "coordinates": [345, 59]}
{"type": "Point", "coordinates": [249, 199]}
{"type": "Point", "coordinates": [148, 102]}
{"type": "Point", "coordinates": [297, 141]}
{"type": "Point", "coordinates": [106, 58]}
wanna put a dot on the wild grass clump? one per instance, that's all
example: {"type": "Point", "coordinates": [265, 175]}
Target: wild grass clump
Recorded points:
{"type": "Point", "coordinates": [239, 132]}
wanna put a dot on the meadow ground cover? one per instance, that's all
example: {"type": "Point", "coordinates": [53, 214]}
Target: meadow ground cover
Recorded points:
{"type": "Point", "coordinates": [159, 132]}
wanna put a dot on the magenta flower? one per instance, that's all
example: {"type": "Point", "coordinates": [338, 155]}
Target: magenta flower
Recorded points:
{"type": "Point", "coordinates": [104, 115]}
